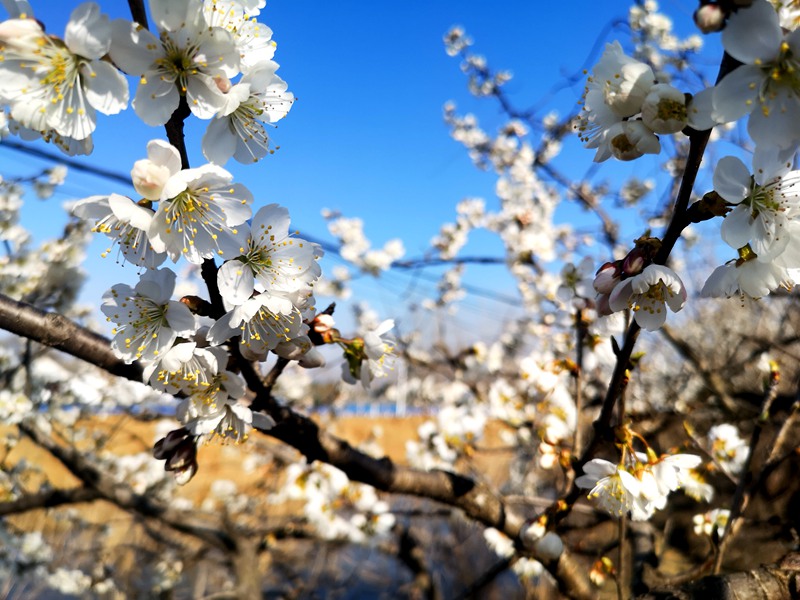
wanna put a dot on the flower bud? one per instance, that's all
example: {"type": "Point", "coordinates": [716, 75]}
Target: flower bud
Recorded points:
{"type": "Point", "coordinates": [607, 277]}
{"type": "Point", "coordinates": [709, 18]}
{"type": "Point", "coordinates": [223, 83]}
{"type": "Point", "coordinates": [634, 262]}
{"type": "Point", "coordinates": [664, 109]}
{"type": "Point", "coordinates": [184, 476]}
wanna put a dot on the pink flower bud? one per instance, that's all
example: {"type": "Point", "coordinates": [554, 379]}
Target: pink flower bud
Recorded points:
{"type": "Point", "coordinates": [223, 83]}
{"type": "Point", "coordinates": [709, 18]}
{"type": "Point", "coordinates": [322, 323]}
{"type": "Point", "coordinates": [634, 262]}
{"type": "Point", "coordinates": [607, 277]}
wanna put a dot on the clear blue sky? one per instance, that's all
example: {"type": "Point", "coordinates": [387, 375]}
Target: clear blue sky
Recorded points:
{"type": "Point", "coordinates": [366, 135]}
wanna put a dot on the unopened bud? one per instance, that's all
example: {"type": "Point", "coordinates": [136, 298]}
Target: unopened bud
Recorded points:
{"type": "Point", "coordinates": [183, 456]}
{"type": "Point", "coordinates": [185, 475]}
{"type": "Point", "coordinates": [634, 262]}
{"type": "Point", "coordinates": [709, 18]}
{"type": "Point", "coordinates": [223, 83]}
{"type": "Point", "coordinates": [167, 445]}
{"type": "Point", "coordinates": [607, 278]}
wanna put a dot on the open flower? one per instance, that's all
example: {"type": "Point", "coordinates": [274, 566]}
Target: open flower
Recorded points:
{"type": "Point", "coordinates": [262, 322]}
{"type": "Point", "coordinates": [238, 129]}
{"type": "Point", "coordinates": [765, 204]}
{"type": "Point", "coordinates": [59, 86]}
{"type": "Point", "coordinates": [198, 214]}
{"type": "Point", "coordinates": [126, 223]}
{"type": "Point", "coordinates": [271, 257]}
{"type": "Point", "coordinates": [148, 322]}
{"type": "Point", "coordinates": [188, 58]}
{"type": "Point", "coordinates": [766, 85]}
{"type": "Point", "coordinates": [649, 294]}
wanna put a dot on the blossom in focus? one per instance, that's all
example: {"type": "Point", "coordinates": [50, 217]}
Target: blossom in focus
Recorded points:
{"type": "Point", "coordinates": [765, 204]}
{"type": "Point", "coordinates": [185, 368]}
{"type": "Point", "coordinates": [238, 130]}
{"type": "Point", "coordinates": [262, 322]}
{"type": "Point", "coordinates": [615, 91]}
{"type": "Point", "coordinates": [613, 487]}
{"type": "Point", "coordinates": [664, 109]}
{"type": "Point", "coordinates": [766, 85]}
{"type": "Point", "coordinates": [271, 257]}
{"type": "Point", "coordinates": [253, 40]}
{"type": "Point", "coordinates": [59, 86]}
{"type": "Point", "coordinates": [188, 58]}
{"type": "Point", "coordinates": [649, 294]}
{"type": "Point", "coordinates": [148, 322]}
{"type": "Point", "coordinates": [126, 223]}
{"type": "Point", "coordinates": [198, 213]}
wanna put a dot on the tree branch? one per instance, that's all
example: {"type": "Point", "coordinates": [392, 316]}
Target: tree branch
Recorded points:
{"type": "Point", "coordinates": [477, 500]}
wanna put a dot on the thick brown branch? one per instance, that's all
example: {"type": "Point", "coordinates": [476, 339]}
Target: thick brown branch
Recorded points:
{"type": "Point", "coordinates": [123, 497]}
{"type": "Point", "coordinates": [56, 331]}
{"type": "Point", "coordinates": [477, 500]}
{"type": "Point", "coordinates": [778, 582]}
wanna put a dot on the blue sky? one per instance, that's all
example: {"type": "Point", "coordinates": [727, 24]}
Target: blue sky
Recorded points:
{"type": "Point", "coordinates": [366, 135]}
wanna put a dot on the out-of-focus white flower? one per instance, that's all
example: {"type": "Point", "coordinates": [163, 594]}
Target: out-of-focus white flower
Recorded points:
{"type": "Point", "coordinates": [376, 349]}
{"type": "Point", "coordinates": [227, 420]}
{"type": "Point", "coordinates": [713, 521]}
{"type": "Point", "coordinates": [14, 406]}
{"type": "Point", "coordinates": [728, 447]}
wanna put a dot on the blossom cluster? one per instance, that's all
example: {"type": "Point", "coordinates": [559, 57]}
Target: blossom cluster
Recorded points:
{"type": "Point", "coordinates": [338, 508]}
{"type": "Point", "coordinates": [212, 53]}
{"type": "Point", "coordinates": [640, 485]}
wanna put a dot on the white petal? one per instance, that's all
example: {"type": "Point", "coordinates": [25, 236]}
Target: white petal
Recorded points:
{"type": "Point", "coordinates": [88, 33]}
{"type": "Point", "coordinates": [219, 142]}
{"type": "Point", "coordinates": [700, 109]}
{"type": "Point", "coordinates": [753, 34]}
{"type": "Point", "coordinates": [181, 319]}
{"type": "Point", "coordinates": [106, 87]}
{"type": "Point", "coordinates": [133, 49]}
{"type": "Point", "coordinates": [732, 180]}
{"type": "Point", "coordinates": [736, 95]}
{"type": "Point", "coordinates": [235, 281]}
{"type": "Point", "coordinates": [156, 100]}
